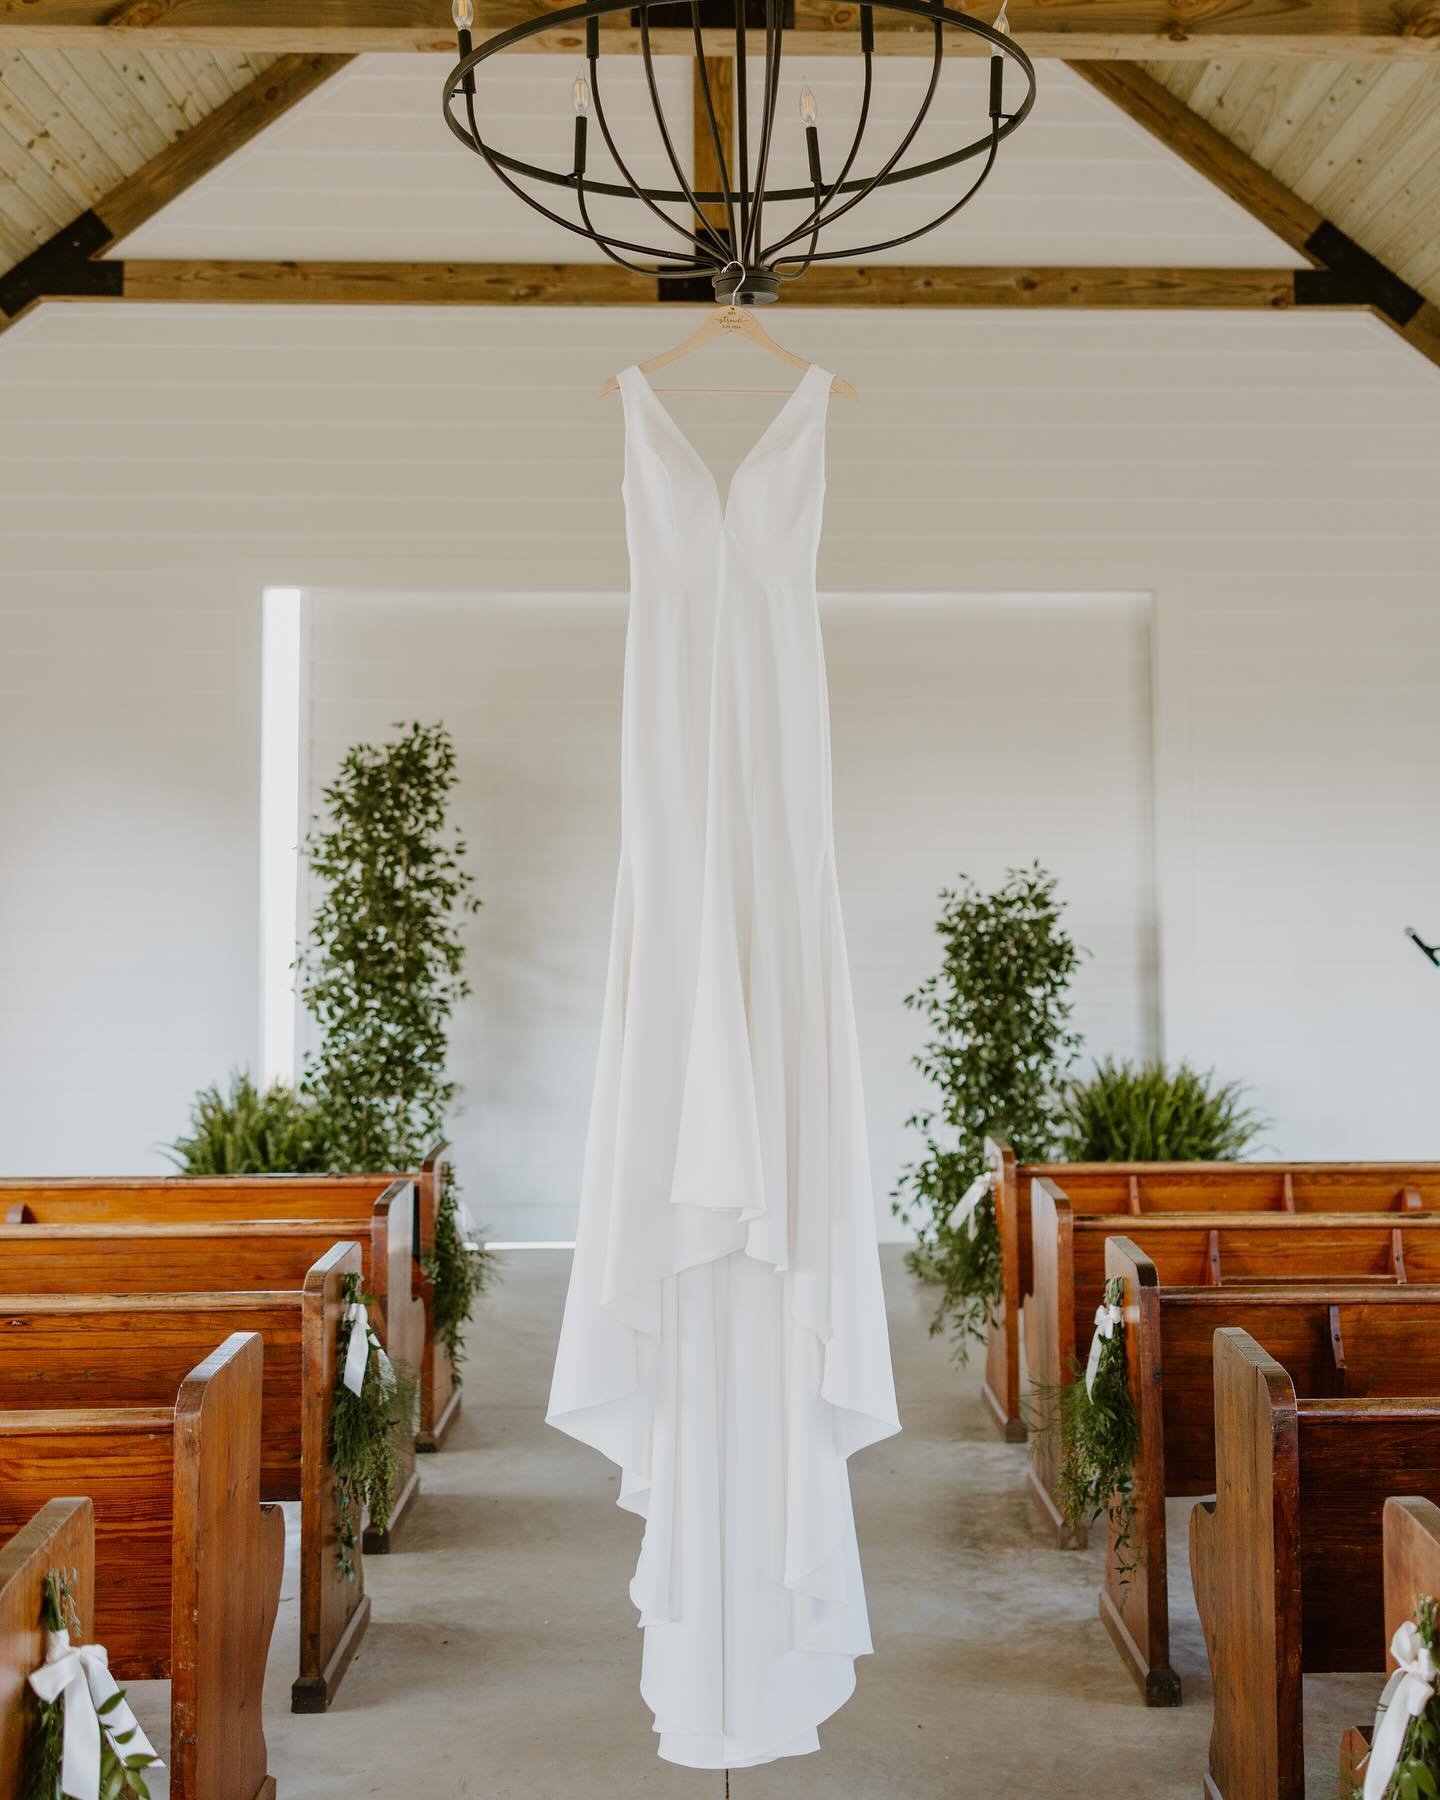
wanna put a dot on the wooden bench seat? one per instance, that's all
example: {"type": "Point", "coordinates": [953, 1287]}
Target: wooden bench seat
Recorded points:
{"type": "Point", "coordinates": [187, 1560]}
{"type": "Point", "coordinates": [351, 1200]}
{"type": "Point", "coordinates": [1287, 1561]}
{"type": "Point", "coordinates": [1129, 1190]}
{"type": "Point", "coordinates": [134, 1349]}
{"type": "Point", "coordinates": [229, 1256]}
{"type": "Point", "coordinates": [1334, 1340]}
{"type": "Point", "coordinates": [1190, 1250]}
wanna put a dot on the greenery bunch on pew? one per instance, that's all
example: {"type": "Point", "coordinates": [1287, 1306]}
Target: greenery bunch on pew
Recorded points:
{"type": "Point", "coordinates": [998, 1011]}
{"type": "Point", "coordinates": [1127, 1112]}
{"type": "Point", "coordinates": [1416, 1775]}
{"type": "Point", "coordinates": [364, 1433]}
{"type": "Point", "coordinates": [1099, 1441]}
{"type": "Point", "coordinates": [121, 1773]}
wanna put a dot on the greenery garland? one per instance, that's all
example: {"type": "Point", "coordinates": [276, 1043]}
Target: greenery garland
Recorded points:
{"type": "Point", "coordinates": [1099, 1442]}
{"type": "Point", "coordinates": [364, 1429]}
{"type": "Point", "coordinates": [120, 1775]}
{"type": "Point", "coordinates": [998, 1011]}
{"type": "Point", "coordinates": [1417, 1770]}
{"type": "Point", "coordinates": [459, 1271]}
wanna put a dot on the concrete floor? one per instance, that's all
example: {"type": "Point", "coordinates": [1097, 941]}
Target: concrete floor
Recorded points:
{"type": "Point", "coordinates": [503, 1658]}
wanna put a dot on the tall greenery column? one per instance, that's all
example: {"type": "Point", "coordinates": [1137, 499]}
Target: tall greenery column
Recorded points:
{"type": "Point", "coordinates": [998, 1012]}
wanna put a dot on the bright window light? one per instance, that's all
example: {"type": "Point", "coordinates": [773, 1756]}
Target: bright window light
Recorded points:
{"type": "Point", "coordinates": [279, 828]}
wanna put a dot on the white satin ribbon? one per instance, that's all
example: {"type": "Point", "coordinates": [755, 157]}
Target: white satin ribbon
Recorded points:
{"type": "Point", "coordinates": [1407, 1693]}
{"type": "Point", "coordinates": [964, 1212]}
{"type": "Point", "coordinates": [469, 1230]}
{"type": "Point", "coordinates": [357, 1353]}
{"type": "Point", "coordinates": [81, 1673]}
{"type": "Point", "coordinates": [1106, 1319]}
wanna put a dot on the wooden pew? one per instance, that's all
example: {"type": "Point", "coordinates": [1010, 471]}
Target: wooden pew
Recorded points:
{"type": "Point", "coordinates": [228, 1256]}
{"type": "Point", "coordinates": [1344, 1338]}
{"type": "Point", "coordinates": [187, 1560]}
{"type": "Point", "coordinates": [1287, 1560]}
{"type": "Point", "coordinates": [1194, 1250]}
{"type": "Point", "coordinates": [134, 1349]}
{"type": "Point", "coordinates": [1410, 1546]}
{"type": "Point", "coordinates": [1130, 1190]}
{"type": "Point", "coordinates": [60, 1536]}
{"type": "Point", "coordinates": [364, 1204]}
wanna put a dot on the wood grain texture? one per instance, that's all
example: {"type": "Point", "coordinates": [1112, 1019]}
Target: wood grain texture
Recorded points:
{"type": "Point", "coordinates": [187, 1562]}
{"type": "Point", "coordinates": [1136, 28]}
{"type": "Point", "coordinates": [1069, 1255]}
{"type": "Point", "coordinates": [60, 1536]}
{"type": "Point", "coordinates": [1243, 1563]}
{"type": "Point", "coordinates": [233, 124]}
{"type": "Point", "coordinates": [602, 284]}
{"type": "Point", "coordinates": [1108, 1189]}
{"type": "Point", "coordinates": [1331, 1343]}
{"type": "Point", "coordinates": [226, 1581]}
{"type": "Point", "coordinates": [134, 1350]}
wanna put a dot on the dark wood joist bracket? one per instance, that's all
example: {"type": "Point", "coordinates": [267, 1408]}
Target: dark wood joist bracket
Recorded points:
{"type": "Point", "coordinates": [1346, 275]}
{"type": "Point", "coordinates": [63, 268]}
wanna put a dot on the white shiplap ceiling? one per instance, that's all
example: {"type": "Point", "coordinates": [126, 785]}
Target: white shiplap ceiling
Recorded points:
{"type": "Point", "coordinates": [365, 169]}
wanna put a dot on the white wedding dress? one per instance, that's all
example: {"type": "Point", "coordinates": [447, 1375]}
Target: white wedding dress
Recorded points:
{"type": "Point", "coordinates": [724, 1339]}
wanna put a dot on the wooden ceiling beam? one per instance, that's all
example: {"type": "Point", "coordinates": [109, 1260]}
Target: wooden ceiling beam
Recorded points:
{"type": "Point", "coordinates": [1138, 30]}
{"type": "Point", "coordinates": [66, 264]}
{"type": "Point", "coordinates": [602, 284]}
{"type": "Point", "coordinates": [1342, 272]}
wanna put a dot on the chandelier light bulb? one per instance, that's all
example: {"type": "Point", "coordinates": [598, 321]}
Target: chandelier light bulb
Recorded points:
{"type": "Point", "coordinates": [580, 94]}
{"type": "Point", "coordinates": [809, 113]}
{"type": "Point", "coordinates": [1002, 21]}
{"type": "Point", "coordinates": [463, 13]}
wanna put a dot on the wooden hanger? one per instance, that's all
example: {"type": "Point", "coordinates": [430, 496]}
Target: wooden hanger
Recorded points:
{"type": "Point", "coordinates": [729, 321]}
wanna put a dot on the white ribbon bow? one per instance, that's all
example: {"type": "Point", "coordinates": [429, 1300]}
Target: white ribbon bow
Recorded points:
{"type": "Point", "coordinates": [81, 1673]}
{"type": "Point", "coordinates": [357, 1352]}
{"type": "Point", "coordinates": [964, 1213]}
{"type": "Point", "coordinates": [1106, 1319]}
{"type": "Point", "coordinates": [1407, 1693]}
{"type": "Point", "coordinates": [469, 1230]}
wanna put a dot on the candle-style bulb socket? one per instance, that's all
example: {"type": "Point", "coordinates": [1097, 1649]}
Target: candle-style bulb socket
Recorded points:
{"type": "Point", "coordinates": [812, 150]}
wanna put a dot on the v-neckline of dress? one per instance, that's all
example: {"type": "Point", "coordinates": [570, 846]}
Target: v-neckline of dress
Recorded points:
{"type": "Point", "coordinates": [642, 381]}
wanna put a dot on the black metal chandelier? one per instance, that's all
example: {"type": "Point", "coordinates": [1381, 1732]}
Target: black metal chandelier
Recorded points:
{"type": "Point", "coordinates": [724, 235]}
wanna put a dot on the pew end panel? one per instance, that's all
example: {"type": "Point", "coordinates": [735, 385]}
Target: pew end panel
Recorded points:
{"type": "Point", "coordinates": [1001, 1389]}
{"type": "Point", "coordinates": [402, 1327]}
{"type": "Point", "coordinates": [439, 1383]}
{"type": "Point", "coordinates": [1134, 1592]}
{"type": "Point", "coordinates": [1049, 1321]}
{"type": "Point", "coordinates": [334, 1611]}
{"type": "Point", "coordinates": [229, 1557]}
{"type": "Point", "coordinates": [1245, 1568]}
{"type": "Point", "coordinates": [60, 1536]}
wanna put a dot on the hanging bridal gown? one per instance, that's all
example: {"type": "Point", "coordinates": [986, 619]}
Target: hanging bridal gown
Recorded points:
{"type": "Point", "coordinates": [724, 1339]}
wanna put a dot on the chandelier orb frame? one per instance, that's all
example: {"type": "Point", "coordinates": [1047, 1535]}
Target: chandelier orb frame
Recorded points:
{"type": "Point", "coordinates": [744, 265]}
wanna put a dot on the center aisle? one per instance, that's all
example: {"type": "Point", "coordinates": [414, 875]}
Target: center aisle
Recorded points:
{"type": "Point", "coordinates": [503, 1659]}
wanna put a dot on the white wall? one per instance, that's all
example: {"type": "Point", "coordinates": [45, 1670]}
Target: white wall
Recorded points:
{"type": "Point", "coordinates": [1268, 479]}
{"type": "Point", "coordinates": [529, 686]}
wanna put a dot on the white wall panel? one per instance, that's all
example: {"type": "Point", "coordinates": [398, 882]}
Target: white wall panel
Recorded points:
{"type": "Point", "coordinates": [530, 687]}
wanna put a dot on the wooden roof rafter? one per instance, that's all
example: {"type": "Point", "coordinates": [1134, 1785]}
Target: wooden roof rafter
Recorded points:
{"type": "Point", "coordinates": [1141, 30]}
{"type": "Point", "coordinates": [67, 265]}
{"type": "Point", "coordinates": [1341, 272]}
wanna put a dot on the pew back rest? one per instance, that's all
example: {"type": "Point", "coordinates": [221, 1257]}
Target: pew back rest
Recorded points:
{"type": "Point", "coordinates": [1330, 1340]}
{"type": "Point", "coordinates": [1354, 1455]}
{"type": "Point", "coordinates": [176, 1199]}
{"type": "Point", "coordinates": [60, 1536]}
{"type": "Point", "coordinates": [1194, 1252]}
